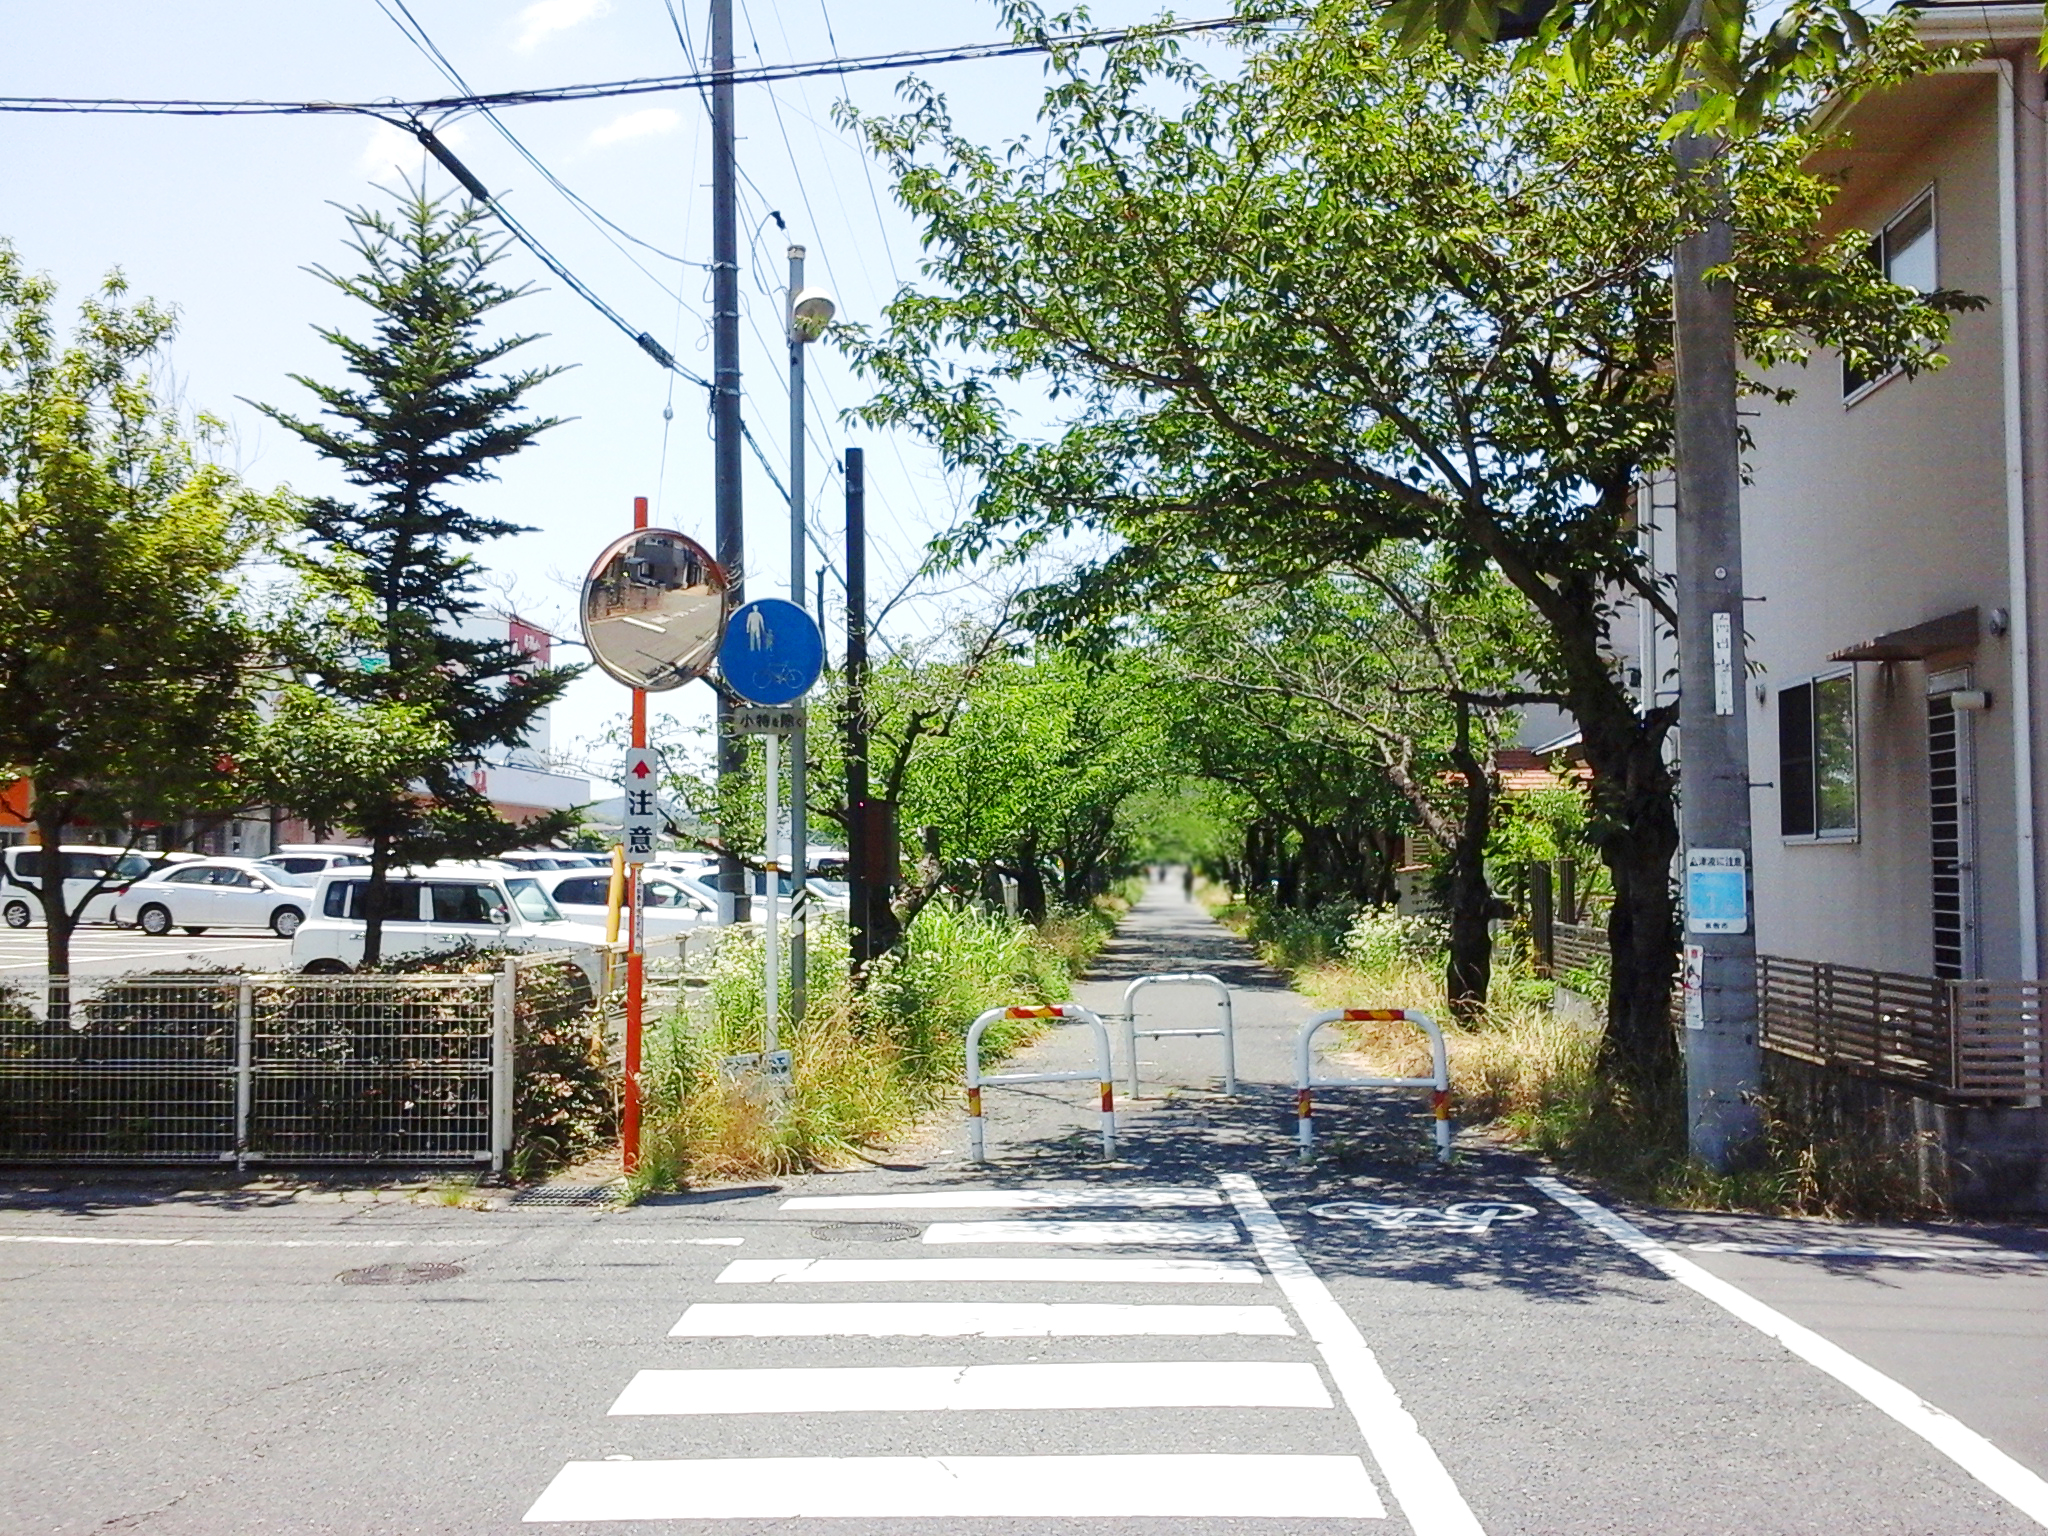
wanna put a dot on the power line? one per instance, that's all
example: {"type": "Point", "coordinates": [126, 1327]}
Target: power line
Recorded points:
{"type": "Point", "coordinates": [392, 108]}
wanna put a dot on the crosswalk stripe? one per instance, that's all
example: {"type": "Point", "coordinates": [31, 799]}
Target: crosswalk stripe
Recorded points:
{"type": "Point", "coordinates": [912, 1487]}
{"type": "Point", "coordinates": [969, 1319]}
{"type": "Point", "coordinates": [1421, 1484]}
{"type": "Point", "coordinates": [1076, 1233]}
{"type": "Point", "coordinates": [1003, 1271]}
{"type": "Point", "coordinates": [984, 1388]}
{"type": "Point", "coordinates": [1009, 1200]}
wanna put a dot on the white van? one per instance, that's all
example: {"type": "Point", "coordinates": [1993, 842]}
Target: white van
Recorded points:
{"type": "Point", "coordinates": [21, 879]}
{"type": "Point", "coordinates": [312, 858]}
{"type": "Point", "coordinates": [433, 910]}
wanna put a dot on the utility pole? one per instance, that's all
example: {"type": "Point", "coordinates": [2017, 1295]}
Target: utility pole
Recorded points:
{"type": "Point", "coordinates": [799, 799]}
{"type": "Point", "coordinates": [725, 411]}
{"type": "Point", "coordinates": [859, 888]}
{"type": "Point", "coordinates": [1723, 1062]}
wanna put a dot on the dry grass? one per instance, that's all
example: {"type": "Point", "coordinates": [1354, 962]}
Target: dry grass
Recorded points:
{"type": "Point", "coordinates": [1533, 1077]}
{"type": "Point", "coordinates": [865, 1067]}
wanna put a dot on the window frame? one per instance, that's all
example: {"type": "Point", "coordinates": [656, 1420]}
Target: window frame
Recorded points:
{"type": "Point", "coordinates": [1862, 391]}
{"type": "Point", "coordinates": [1852, 833]}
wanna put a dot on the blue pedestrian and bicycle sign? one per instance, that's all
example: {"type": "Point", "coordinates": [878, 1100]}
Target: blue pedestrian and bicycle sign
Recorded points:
{"type": "Point", "coordinates": [772, 653]}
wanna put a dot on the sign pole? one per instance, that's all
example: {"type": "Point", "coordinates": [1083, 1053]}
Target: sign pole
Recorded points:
{"type": "Point", "coordinates": [771, 938]}
{"type": "Point", "coordinates": [635, 973]}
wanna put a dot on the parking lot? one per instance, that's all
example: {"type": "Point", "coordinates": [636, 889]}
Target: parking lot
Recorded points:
{"type": "Point", "coordinates": [101, 950]}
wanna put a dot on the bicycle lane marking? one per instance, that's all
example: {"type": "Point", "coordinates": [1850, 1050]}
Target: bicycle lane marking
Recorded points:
{"type": "Point", "coordinates": [2014, 1483]}
{"type": "Point", "coordinates": [1417, 1478]}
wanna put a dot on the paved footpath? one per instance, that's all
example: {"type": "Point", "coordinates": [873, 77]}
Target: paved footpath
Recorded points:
{"type": "Point", "coordinates": [1198, 1337]}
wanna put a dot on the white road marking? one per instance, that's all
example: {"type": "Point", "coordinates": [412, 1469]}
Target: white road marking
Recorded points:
{"type": "Point", "coordinates": [976, 1388]}
{"type": "Point", "coordinates": [969, 1319]}
{"type": "Point", "coordinates": [1177, 1234]}
{"type": "Point", "coordinates": [258, 1242]}
{"type": "Point", "coordinates": [1844, 1251]}
{"type": "Point", "coordinates": [1420, 1484]}
{"type": "Point", "coordinates": [701, 1242]}
{"type": "Point", "coordinates": [963, 1487]}
{"type": "Point", "coordinates": [2023, 1489]}
{"type": "Point", "coordinates": [1007, 1200]}
{"type": "Point", "coordinates": [1001, 1271]}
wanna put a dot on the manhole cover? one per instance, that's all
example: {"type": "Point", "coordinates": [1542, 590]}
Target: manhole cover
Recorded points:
{"type": "Point", "coordinates": [399, 1274]}
{"type": "Point", "coordinates": [568, 1194]}
{"type": "Point", "coordinates": [865, 1231]}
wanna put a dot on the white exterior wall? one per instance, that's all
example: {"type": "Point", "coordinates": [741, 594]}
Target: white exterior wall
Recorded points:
{"type": "Point", "coordinates": [1872, 517]}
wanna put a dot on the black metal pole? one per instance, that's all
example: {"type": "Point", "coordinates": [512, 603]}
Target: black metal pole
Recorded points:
{"type": "Point", "coordinates": [725, 402]}
{"type": "Point", "coordinates": [855, 723]}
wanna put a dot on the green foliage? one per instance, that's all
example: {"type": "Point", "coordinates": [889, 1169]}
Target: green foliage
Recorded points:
{"type": "Point", "coordinates": [866, 1065]}
{"type": "Point", "coordinates": [1380, 938]}
{"type": "Point", "coordinates": [1358, 294]}
{"type": "Point", "coordinates": [127, 661]}
{"type": "Point", "coordinates": [429, 409]}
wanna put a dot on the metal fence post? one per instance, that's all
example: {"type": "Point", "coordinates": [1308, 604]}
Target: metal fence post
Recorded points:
{"type": "Point", "coordinates": [504, 1005]}
{"type": "Point", "coordinates": [245, 1066]}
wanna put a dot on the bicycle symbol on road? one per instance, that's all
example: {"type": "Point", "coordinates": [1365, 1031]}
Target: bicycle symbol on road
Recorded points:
{"type": "Point", "coordinates": [1472, 1217]}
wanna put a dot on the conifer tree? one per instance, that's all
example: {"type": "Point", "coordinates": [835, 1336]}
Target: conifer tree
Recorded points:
{"type": "Point", "coordinates": [428, 409]}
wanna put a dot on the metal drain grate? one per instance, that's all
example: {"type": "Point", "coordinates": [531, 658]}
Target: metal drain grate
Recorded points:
{"type": "Point", "coordinates": [400, 1274]}
{"type": "Point", "coordinates": [568, 1194]}
{"type": "Point", "coordinates": [865, 1231]}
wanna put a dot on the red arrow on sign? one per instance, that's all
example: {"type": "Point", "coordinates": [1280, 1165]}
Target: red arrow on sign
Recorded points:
{"type": "Point", "coordinates": [640, 769]}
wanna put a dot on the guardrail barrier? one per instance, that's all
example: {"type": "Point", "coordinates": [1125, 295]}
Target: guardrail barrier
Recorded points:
{"type": "Point", "coordinates": [1132, 1034]}
{"type": "Point", "coordinates": [977, 1131]}
{"type": "Point", "coordinates": [1306, 1082]}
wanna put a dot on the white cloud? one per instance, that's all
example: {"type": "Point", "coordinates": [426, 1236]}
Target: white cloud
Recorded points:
{"type": "Point", "coordinates": [392, 148]}
{"type": "Point", "coordinates": [546, 16]}
{"type": "Point", "coordinates": [637, 125]}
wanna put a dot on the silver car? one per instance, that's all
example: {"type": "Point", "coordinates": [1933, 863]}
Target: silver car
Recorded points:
{"type": "Point", "coordinates": [217, 893]}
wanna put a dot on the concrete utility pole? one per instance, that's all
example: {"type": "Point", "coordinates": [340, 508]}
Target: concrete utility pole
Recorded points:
{"type": "Point", "coordinates": [799, 799]}
{"type": "Point", "coordinates": [725, 413]}
{"type": "Point", "coordinates": [1723, 1062]}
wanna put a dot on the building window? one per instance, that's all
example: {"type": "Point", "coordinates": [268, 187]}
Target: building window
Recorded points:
{"type": "Point", "coordinates": [1904, 251]}
{"type": "Point", "coordinates": [1817, 758]}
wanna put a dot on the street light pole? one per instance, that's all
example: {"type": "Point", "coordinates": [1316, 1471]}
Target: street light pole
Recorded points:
{"type": "Point", "coordinates": [799, 799]}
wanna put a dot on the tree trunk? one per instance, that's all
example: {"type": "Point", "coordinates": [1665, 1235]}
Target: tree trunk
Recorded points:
{"type": "Point", "coordinates": [1030, 882]}
{"type": "Point", "coordinates": [57, 916]}
{"type": "Point", "coordinates": [1468, 898]}
{"type": "Point", "coordinates": [1635, 827]}
{"type": "Point", "coordinates": [373, 900]}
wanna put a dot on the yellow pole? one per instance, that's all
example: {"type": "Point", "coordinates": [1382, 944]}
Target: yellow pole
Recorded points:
{"type": "Point", "coordinates": [616, 896]}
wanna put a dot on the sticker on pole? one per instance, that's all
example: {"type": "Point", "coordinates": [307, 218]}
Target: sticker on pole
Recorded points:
{"type": "Point", "coordinates": [642, 821]}
{"type": "Point", "coordinates": [772, 653]}
{"type": "Point", "coordinates": [1716, 890]}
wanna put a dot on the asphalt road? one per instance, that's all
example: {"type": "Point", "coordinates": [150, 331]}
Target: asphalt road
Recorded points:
{"type": "Point", "coordinates": [105, 950]}
{"type": "Point", "coordinates": [1199, 1337]}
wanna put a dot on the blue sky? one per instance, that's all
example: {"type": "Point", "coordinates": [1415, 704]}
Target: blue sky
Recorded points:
{"type": "Point", "coordinates": [220, 217]}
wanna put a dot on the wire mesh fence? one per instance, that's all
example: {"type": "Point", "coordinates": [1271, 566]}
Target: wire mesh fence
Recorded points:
{"type": "Point", "coordinates": [218, 1068]}
{"type": "Point", "coordinates": [214, 1067]}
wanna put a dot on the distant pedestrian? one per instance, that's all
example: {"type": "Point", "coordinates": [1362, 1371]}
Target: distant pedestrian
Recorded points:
{"type": "Point", "coordinates": [1187, 882]}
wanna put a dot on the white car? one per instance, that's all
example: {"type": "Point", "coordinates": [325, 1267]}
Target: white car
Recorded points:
{"type": "Point", "coordinates": [21, 885]}
{"type": "Point", "coordinates": [672, 903]}
{"type": "Point", "coordinates": [430, 911]}
{"type": "Point", "coordinates": [314, 858]}
{"type": "Point", "coordinates": [217, 893]}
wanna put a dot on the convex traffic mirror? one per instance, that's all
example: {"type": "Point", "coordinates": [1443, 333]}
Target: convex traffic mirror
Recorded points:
{"type": "Point", "coordinates": [654, 609]}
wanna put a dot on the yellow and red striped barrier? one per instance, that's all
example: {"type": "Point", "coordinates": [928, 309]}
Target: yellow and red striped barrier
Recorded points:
{"type": "Point", "coordinates": [1073, 1013]}
{"type": "Point", "coordinates": [1306, 1082]}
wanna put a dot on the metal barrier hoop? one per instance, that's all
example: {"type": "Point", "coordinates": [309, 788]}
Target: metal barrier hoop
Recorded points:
{"type": "Point", "coordinates": [977, 1130]}
{"type": "Point", "coordinates": [1306, 1082]}
{"type": "Point", "coordinates": [1132, 1033]}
